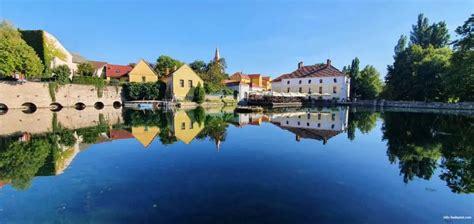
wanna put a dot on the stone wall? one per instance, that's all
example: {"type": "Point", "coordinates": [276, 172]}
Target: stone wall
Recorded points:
{"type": "Point", "coordinates": [14, 94]}
{"type": "Point", "coordinates": [416, 104]}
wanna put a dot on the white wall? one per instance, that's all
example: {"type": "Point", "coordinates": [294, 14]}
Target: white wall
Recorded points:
{"type": "Point", "coordinates": [342, 85]}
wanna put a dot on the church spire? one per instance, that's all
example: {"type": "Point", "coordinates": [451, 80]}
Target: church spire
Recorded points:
{"type": "Point", "coordinates": [217, 55]}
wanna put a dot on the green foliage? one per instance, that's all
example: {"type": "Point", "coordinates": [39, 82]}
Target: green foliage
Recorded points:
{"type": "Point", "coordinates": [198, 66]}
{"type": "Point", "coordinates": [369, 83]}
{"type": "Point", "coordinates": [213, 78]}
{"type": "Point", "coordinates": [62, 73]}
{"type": "Point", "coordinates": [99, 83]}
{"type": "Point", "coordinates": [20, 161]}
{"type": "Point", "coordinates": [16, 55]}
{"type": "Point", "coordinates": [85, 69]}
{"type": "Point", "coordinates": [165, 65]}
{"type": "Point", "coordinates": [424, 34]}
{"type": "Point", "coordinates": [461, 79]}
{"type": "Point", "coordinates": [144, 91]}
{"type": "Point", "coordinates": [53, 89]}
{"type": "Point", "coordinates": [364, 121]}
{"type": "Point", "coordinates": [354, 73]}
{"type": "Point", "coordinates": [199, 115]}
{"type": "Point", "coordinates": [91, 134]}
{"type": "Point", "coordinates": [199, 94]}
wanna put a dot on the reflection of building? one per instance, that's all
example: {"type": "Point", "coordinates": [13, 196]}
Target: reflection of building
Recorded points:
{"type": "Point", "coordinates": [145, 134]}
{"type": "Point", "coordinates": [185, 128]}
{"type": "Point", "coordinates": [120, 134]}
{"type": "Point", "coordinates": [319, 125]}
{"type": "Point", "coordinates": [322, 81]}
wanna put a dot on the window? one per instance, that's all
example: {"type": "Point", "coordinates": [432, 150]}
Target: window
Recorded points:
{"type": "Point", "coordinates": [319, 125]}
{"type": "Point", "coordinates": [309, 90]}
{"type": "Point", "coordinates": [181, 83]}
{"type": "Point", "coordinates": [288, 89]}
{"type": "Point", "coordinates": [300, 90]}
{"type": "Point", "coordinates": [309, 81]}
{"type": "Point", "coordinates": [287, 122]}
{"type": "Point", "coordinates": [143, 79]}
{"type": "Point", "coordinates": [332, 126]}
{"type": "Point", "coordinates": [334, 89]}
{"type": "Point", "coordinates": [299, 116]}
{"type": "Point", "coordinates": [183, 126]}
{"type": "Point", "coordinates": [335, 80]}
{"type": "Point", "coordinates": [288, 82]}
{"type": "Point", "coordinates": [190, 83]}
{"type": "Point", "coordinates": [333, 117]}
{"type": "Point", "coordinates": [191, 125]}
{"type": "Point", "coordinates": [309, 116]}
{"type": "Point", "coordinates": [298, 123]}
{"type": "Point", "coordinates": [299, 82]}
{"type": "Point", "coordinates": [320, 81]}
{"type": "Point", "coordinates": [307, 124]}
{"type": "Point", "coordinates": [320, 90]}
{"type": "Point", "coordinates": [319, 116]}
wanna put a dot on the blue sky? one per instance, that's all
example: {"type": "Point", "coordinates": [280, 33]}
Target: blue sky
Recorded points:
{"type": "Point", "coordinates": [268, 37]}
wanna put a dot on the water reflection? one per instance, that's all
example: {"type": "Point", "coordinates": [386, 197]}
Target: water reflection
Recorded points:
{"type": "Point", "coordinates": [418, 143]}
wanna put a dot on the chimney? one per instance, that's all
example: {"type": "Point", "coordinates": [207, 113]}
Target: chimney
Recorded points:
{"type": "Point", "coordinates": [300, 64]}
{"type": "Point", "coordinates": [328, 63]}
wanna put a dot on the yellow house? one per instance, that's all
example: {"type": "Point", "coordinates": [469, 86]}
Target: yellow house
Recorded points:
{"type": "Point", "coordinates": [145, 134]}
{"type": "Point", "coordinates": [185, 128]}
{"type": "Point", "coordinates": [142, 72]}
{"type": "Point", "coordinates": [182, 82]}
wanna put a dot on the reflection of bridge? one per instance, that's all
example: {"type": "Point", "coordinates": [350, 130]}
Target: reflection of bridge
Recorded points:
{"type": "Point", "coordinates": [42, 120]}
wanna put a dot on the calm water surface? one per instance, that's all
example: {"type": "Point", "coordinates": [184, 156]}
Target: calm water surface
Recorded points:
{"type": "Point", "coordinates": [319, 165]}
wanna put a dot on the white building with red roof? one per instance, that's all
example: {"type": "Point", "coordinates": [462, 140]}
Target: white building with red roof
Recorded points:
{"type": "Point", "coordinates": [321, 81]}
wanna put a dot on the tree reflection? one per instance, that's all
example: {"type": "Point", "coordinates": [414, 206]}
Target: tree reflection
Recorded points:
{"type": "Point", "coordinates": [418, 141]}
{"type": "Point", "coordinates": [365, 121]}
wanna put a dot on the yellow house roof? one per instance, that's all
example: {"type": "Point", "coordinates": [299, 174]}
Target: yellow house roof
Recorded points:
{"type": "Point", "coordinates": [142, 68]}
{"type": "Point", "coordinates": [145, 134]}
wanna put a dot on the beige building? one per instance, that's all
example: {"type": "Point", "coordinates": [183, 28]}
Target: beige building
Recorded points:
{"type": "Point", "coordinates": [142, 72]}
{"type": "Point", "coordinates": [181, 83]}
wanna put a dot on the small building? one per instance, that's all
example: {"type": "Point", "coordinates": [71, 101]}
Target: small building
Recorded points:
{"type": "Point", "coordinates": [243, 84]}
{"type": "Point", "coordinates": [184, 127]}
{"type": "Point", "coordinates": [142, 72]}
{"type": "Point", "coordinates": [99, 68]}
{"type": "Point", "coordinates": [145, 134]}
{"type": "Point", "coordinates": [181, 83]}
{"type": "Point", "coordinates": [117, 72]}
{"type": "Point", "coordinates": [321, 81]}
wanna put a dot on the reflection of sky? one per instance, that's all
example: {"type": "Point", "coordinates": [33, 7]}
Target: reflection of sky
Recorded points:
{"type": "Point", "coordinates": [260, 174]}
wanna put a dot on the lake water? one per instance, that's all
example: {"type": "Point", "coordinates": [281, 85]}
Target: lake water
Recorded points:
{"type": "Point", "coordinates": [312, 165]}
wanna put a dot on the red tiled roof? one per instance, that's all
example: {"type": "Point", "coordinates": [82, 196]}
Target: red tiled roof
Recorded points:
{"type": "Point", "coordinates": [266, 78]}
{"type": "Point", "coordinates": [239, 74]}
{"type": "Point", "coordinates": [120, 134]}
{"type": "Point", "coordinates": [117, 70]}
{"type": "Point", "coordinates": [234, 83]}
{"type": "Point", "coordinates": [318, 70]}
{"type": "Point", "coordinates": [98, 64]}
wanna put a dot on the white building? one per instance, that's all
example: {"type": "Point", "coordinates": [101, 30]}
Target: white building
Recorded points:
{"type": "Point", "coordinates": [62, 56]}
{"type": "Point", "coordinates": [321, 81]}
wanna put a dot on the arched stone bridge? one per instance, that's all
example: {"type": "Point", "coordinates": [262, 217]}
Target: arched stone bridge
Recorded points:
{"type": "Point", "coordinates": [14, 95]}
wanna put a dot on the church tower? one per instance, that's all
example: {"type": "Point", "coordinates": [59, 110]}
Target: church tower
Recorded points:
{"type": "Point", "coordinates": [217, 56]}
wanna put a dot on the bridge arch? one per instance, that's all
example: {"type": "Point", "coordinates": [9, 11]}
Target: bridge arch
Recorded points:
{"type": "Point", "coordinates": [29, 108]}
{"type": "Point", "coordinates": [79, 106]}
{"type": "Point", "coordinates": [3, 108]}
{"type": "Point", "coordinates": [117, 104]}
{"type": "Point", "coordinates": [55, 107]}
{"type": "Point", "coordinates": [99, 105]}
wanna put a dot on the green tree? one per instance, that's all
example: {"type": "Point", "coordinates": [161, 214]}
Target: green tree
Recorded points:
{"type": "Point", "coordinates": [198, 66]}
{"type": "Point", "coordinates": [424, 34]}
{"type": "Point", "coordinates": [369, 83]}
{"type": "Point", "coordinates": [85, 69]}
{"type": "Point", "coordinates": [199, 94]}
{"type": "Point", "coordinates": [165, 65]}
{"type": "Point", "coordinates": [62, 73]}
{"type": "Point", "coordinates": [461, 79]}
{"type": "Point", "coordinates": [354, 73]}
{"type": "Point", "coordinates": [16, 55]}
{"type": "Point", "coordinates": [213, 78]}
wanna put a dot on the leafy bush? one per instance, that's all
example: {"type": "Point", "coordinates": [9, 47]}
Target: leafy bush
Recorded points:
{"type": "Point", "coordinates": [144, 91]}
{"type": "Point", "coordinates": [62, 73]}
{"type": "Point", "coordinates": [199, 94]}
{"type": "Point", "coordinates": [85, 69]}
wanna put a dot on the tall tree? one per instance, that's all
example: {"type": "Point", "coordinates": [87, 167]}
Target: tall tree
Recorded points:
{"type": "Point", "coordinates": [354, 73]}
{"type": "Point", "coordinates": [198, 66]}
{"type": "Point", "coordinates": [16, 55]}
{"type": "Point", "coordinates": [421, 33]}
{"type": "Point", "coordinates": [62, 73]}
{"type": "Point", "coordinates": [461, 78]}
{"type": "Point", "coordinates": [369, 83]}
{"type": "Point", "coordinates": [165, 65]}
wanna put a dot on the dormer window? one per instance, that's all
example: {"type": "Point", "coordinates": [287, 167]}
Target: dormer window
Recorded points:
{"type": "Point", "coordinates": [299, 82]}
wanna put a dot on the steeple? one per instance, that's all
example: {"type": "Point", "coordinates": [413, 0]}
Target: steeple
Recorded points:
{"type": "Point", "coordinates": [217, 55]}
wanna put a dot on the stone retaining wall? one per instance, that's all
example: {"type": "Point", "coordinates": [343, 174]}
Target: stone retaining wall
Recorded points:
{"type": "Point", "coordinates": [14, 94]}
{"type": "Point", "coordinates": [416, 104]}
